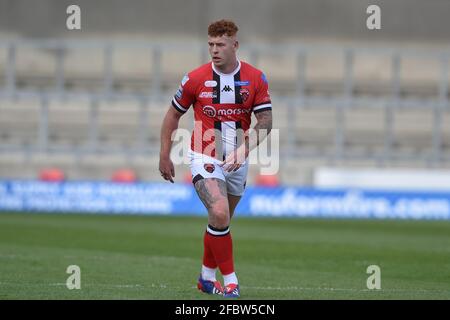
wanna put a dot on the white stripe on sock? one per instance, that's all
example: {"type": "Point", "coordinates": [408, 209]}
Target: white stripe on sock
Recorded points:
{"type": "Point", "coordinates": [208, 273]}
{"type": "Point", "coordinates": [217, 233]}
{"type": "Point", "coordinates": [230, 278]}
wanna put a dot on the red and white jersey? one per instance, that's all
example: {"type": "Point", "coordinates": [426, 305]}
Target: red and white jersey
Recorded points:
{"type": "Point", "coordinates": [223, 104]}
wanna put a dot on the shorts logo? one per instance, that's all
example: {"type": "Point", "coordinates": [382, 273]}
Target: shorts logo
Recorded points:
{"type": "Point", "coordinates": [209, 111]}
{"type": "Point", "coordinates": [244, 94]}
{"type": "Point", "coordinates": [209, 167]}
{"type": "Point", "coordinates": [210, 83]}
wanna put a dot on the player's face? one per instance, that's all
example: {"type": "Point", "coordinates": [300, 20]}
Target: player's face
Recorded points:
{"type": "Point", "coordinates": [223, 50]}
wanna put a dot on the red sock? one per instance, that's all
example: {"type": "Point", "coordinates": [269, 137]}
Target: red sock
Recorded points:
{"type": "Point", "coordinates": [221, 245]}
{"type": "Point", "coordinates": [208, 256]}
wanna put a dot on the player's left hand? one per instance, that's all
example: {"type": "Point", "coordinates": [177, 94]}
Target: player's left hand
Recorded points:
{"type": "Point", "coordinates": [234, 160]}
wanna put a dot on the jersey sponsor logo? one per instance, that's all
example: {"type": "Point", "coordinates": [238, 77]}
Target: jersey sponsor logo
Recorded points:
{"type": "Point", "coordinates": [210, 83]}
{"type": "Point", "coordinates": [204, 94]}
{"type": "Point", "coordinates": [212, 112]}
{"type": "Point", "coordinates": [179, 93]}
{"type": "Point", "coordinates": [209, 167]}
{"type": "Point", "coordinates": [244, 94]}
{"type": "Point", "coordinates": [227, 88]}
{"type": "Point", "coordinates": [209, 111]}
{"type": "Point", "coordinates": [242, 83]}
{"type": "Point", "coordinates": [232, 112]}
{"type": "Point", "coordinates": [185, 79]}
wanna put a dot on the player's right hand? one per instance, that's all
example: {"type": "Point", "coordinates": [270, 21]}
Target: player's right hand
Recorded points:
{"type": "Point", "coordinates": [166, 169]}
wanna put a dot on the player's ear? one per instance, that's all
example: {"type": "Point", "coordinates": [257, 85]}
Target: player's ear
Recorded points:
{"type": "Point", "coordinates": [236, 44]}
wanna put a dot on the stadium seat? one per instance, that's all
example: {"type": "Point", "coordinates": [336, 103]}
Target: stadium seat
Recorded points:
{"type": "Point", "coordinates": [124, 176]}
{"type": "Point", "coordinates": [51, 175]}
{"type": "Point", "coordinates": [267, 180]}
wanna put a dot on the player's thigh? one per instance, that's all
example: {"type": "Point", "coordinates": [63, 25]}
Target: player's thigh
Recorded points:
{"type": "Point", "coordinates": [209, 182]}
{"type": "Point", "coordinates": [213, 193]}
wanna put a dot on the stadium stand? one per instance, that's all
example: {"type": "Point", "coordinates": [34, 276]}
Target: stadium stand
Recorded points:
{"type": "Point", "coordinates": [81, 107]}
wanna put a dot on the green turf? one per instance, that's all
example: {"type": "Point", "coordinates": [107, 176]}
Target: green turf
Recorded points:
{"type": "Point", "coordinates": [158, 257]}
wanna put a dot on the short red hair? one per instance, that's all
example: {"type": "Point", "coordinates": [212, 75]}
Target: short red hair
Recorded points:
{"type": "Point", "coordinates": [222, 27]}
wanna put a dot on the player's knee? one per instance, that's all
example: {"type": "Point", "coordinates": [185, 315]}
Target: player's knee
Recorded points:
{"type": "Point", "coordinates": [221, 216]}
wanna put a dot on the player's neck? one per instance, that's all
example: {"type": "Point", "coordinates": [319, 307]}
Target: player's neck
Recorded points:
{"type": "Point", "coordinates": [229, 68]}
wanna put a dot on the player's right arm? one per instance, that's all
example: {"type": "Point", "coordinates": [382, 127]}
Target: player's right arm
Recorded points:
{"type": "Point", "coordinates": [170, 124]}
{"type": "Point", "coordinates": [180, 104]}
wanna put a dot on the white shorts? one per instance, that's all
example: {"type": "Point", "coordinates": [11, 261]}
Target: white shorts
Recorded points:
{"type": "Point", "coordinates": [203, 166]}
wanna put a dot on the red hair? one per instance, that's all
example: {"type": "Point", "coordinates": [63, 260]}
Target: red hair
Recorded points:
{"type": "Point", "coordinates": [222, 27]}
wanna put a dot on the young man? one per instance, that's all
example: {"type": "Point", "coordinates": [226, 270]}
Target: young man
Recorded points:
{"type": "Point", "coordinates": [224, 93]}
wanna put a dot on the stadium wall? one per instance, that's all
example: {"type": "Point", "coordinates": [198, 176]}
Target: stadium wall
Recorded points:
{"type": "Point", "coordinates": [387, 179]}
{"type": "Point", "coordinates": [181, 199]}
{"type": "Point", "coordinates": [264, 19]}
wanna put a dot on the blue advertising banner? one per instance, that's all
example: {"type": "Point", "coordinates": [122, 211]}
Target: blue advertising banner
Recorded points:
{"type": "Point", "coordinates": [165, 199]}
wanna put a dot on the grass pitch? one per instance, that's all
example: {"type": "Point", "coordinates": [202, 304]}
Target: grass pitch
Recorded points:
{"type": "Point", "coordinates": [159, 257]}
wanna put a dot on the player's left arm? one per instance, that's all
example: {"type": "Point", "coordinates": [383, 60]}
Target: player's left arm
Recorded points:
{"type": "Point", "coordinates": [253, 138]}
{"type": "Point", "coordinates": [262, 108]}
{"type": "Point", "coordinates": [263, 127]}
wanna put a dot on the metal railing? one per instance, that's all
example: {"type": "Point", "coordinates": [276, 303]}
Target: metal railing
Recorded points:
{"type": "Point", "coordinates": [342, 101]}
